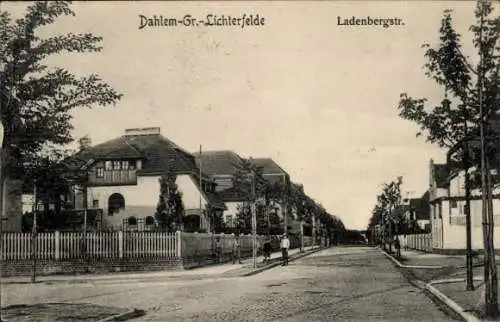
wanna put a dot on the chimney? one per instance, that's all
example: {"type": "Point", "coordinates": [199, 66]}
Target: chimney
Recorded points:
{"type": "Point", "coordinates": [85, 142]}
{"type": "Point", "coordinates": [143, 131]}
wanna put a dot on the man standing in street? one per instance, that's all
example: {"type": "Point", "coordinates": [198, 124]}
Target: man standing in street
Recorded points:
{"type": "Point", "coordinates": [285, 244]}
{"type": "Point", "coordinates": [236, 249]}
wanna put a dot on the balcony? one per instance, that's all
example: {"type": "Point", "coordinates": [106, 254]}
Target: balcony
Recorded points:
{"type": "Point", "coordinates": [113, 177]}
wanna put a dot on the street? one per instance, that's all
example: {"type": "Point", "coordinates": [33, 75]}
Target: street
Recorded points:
{"type": "Point", "coordinates": [340, 283]}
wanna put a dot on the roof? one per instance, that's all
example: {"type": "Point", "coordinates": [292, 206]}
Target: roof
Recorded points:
{"type": "Point", "coordinates": [219, 162]}
{"type": "Point", "coordinates": [159, 154]}
{"type": "Point", "coordinates": [421, 207]}
{"type": "Point", "coordinates": [441, 174]}
{"type": "Point", "coordinates": [268, 166]}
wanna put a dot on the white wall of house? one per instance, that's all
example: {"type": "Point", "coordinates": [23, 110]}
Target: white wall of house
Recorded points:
{"type": "Point", "coordinates": [141, 199]}
{"type": "Point", "coordinates": [453, 223]}
{"type": "Point", "coordinates": [190, 192]}
{"type": "Point", "coordinates": [230, 213]}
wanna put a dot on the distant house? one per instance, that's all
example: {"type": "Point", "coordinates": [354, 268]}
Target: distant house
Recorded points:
{"type": "Point", "coordinates": [417, 212]}
{"type": "Point", "coordinates": [221, 166]}
{"type": "Point", "coordinates": [123, 180]}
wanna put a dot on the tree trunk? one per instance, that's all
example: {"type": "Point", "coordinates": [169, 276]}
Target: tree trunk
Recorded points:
{"type": "Point", "coordinates": [492, 301]}
{"type": "Point", "coordinates": [468, 236]}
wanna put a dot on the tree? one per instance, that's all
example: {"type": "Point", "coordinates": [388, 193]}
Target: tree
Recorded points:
{"type": "Point", "coordinates": [454, 123]}
{"type": "Point", "coordinates": [385, 214]}
{"type": "Point", "coordinates": [170, 208]}
{"type": "Point", "coordinates": [249, 182]}
{"type": "Point", "coordinates": [37, 100]}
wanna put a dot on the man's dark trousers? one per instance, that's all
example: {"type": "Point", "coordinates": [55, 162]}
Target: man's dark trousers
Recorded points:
{"type": "Point", "coordinates": [284, 254]}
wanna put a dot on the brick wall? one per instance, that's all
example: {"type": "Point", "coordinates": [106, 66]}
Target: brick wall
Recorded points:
{"type": "Point", "coordinates": [52, 267]}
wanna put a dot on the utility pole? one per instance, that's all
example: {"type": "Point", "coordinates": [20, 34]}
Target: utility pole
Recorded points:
{"type": "Point", "coordinates": [285, 206]}
{"type": "Point", "coordinates": [468, 237]}
{"type": "Point", "coordinates": [33, 235]}
{"type": "Point", "coordinates": [254, 222]}
{"type": "Point", "coordinates": [85, 216]}
{"type": "Point", "coordinates": [201, 212]}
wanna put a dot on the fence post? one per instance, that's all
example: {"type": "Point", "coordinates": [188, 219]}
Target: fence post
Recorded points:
{"type": "Point", "coordinates": [57, 245]}
{"type": "Point", "coordinates": [120, 244]}
{"type": "Point", "coordinates": [178, 246]}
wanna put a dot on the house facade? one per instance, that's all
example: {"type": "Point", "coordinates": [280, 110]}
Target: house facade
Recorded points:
{"type": "Point", "coordinates": [448, 220]}
{"type": "Point", "coordinates": [438, 203]}
{"type": "Point", "coordinates": [123, 179]}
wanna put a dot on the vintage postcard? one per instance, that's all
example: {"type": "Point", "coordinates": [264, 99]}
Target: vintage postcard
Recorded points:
{"type": "Point", "coordinates": [249, 160]}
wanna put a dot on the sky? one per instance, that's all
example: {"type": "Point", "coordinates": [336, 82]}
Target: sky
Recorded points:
{"type": "Point", "coordinates": [317, 97]}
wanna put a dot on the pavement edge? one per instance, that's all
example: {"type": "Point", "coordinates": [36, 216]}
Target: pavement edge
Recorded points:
{"type": "Point", "coordinates": [301, 255]}
{"type": "Point", "coordinates": [131, 314]}
{"type": "Point", "coordinates": [452, 305]}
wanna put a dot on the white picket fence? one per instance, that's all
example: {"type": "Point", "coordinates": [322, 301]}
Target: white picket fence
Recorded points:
{"type": "Point", "coordinates": [123, 245]}
{"type": "Point", "coordinates": [95, 245]}
{"type": "Point", "coordinates": [416, 241]}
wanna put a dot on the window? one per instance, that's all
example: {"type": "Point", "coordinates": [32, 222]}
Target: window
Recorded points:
{"type": "Point", "coordinates": [95, 204]}
{"type": "Point", "coordinates": [125, 165]}
{"type": "Point", "coordinates": [150, 221]}
{"type": "Point", "coordinates": [131, 165]}
{"type": "Point", "coordinates": [461, 208]}
{"type": "Point", "coordinates": [139, 164]}
{"type": "Point", "coordinates": [108, 165]}
{"type": "Point", "coordinates": [453, 204]}
{"type": "Point", "coordinates": [117, 165]}
{"type": "Point", "coordinates": [100, 172]}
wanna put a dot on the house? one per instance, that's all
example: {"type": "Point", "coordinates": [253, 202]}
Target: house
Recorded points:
{"type": "Point", "coordinates": [438, 201]}
{"type": "Point", "coordinates": [448, 218]}
{"type": "Point", "coordinates": [417, 212]}
{"type": "Point", "coordinates": [123, 179]}
{"type": "Point", "coordinates": [221, 166]}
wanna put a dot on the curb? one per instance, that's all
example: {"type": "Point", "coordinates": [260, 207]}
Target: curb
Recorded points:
{"type": "Point", "coordinates": [134, 313]}
{"type": "Point", "coordinates": [455, 280]}
{"type": "Point", "coordinates": [398, 263]}
{"type": "Point", "coordinates": [260, 270]}
{"type": "Point", "coordinates": [451, 304]}
{"type": "Point", "coordinates": [457, 309]}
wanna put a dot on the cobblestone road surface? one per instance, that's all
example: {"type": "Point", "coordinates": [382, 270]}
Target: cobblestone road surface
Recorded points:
{"type": "Point", "coordinates": [341, 283]}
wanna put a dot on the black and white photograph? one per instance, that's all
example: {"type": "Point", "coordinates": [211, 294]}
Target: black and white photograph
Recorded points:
{"type": "Point", "coordinates": [309, 160]}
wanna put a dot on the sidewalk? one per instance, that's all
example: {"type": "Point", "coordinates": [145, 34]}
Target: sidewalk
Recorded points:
{"type": "Point", "coordinates": [444, 277]}
{"type": "Point", "coordinates": [216, 270]}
